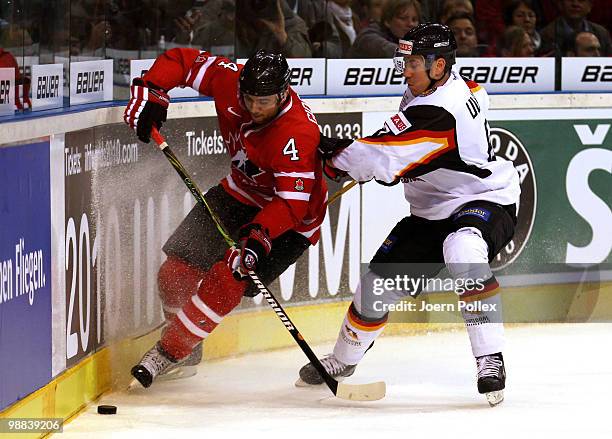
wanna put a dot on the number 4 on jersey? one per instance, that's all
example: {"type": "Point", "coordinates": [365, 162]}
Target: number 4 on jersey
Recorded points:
{"type": "Point", "coordinates": [291, 150]}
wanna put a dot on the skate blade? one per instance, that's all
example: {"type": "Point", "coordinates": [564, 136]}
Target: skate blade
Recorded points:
{"type": "Point", "coordinates": [134, 384]}
{"type": "Point", "coordinates": [495, 398]}
{"type": "Point", "coordinates": [301, 383]}
{"type": "Point", "coordinates": [178, 373]}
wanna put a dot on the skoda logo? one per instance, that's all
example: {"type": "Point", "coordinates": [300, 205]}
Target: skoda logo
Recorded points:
{"type": "Point", "coordinates": [507, 146]}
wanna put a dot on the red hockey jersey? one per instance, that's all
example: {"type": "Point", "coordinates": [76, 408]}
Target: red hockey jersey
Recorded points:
{"type": "Point", "coordinates": [274, 166]}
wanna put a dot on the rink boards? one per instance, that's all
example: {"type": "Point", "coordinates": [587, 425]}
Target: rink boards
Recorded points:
{"type": "Point", "coordinates": [88, 210]}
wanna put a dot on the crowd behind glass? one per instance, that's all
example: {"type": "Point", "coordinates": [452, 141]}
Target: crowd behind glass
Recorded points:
{"type": "Point", "coordinates": [52, 31]}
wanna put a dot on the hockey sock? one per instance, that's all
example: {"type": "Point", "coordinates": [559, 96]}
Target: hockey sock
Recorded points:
{"type": "Point", "coordinates": [482, 313]}
{"type": "Point", "coordinates": [177, 281]}
{"type": "Point", "coordinates": [356, 336]}
{"type": "Point", "coordinates": [466, 257]}
{"type": "Point", "coordinates": [218, 294]}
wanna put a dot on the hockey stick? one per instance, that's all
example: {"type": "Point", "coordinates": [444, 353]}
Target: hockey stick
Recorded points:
{"type": "Point", "coordinates": [355, 392]}
{"type": "Point", "coordinates": [341, 191]}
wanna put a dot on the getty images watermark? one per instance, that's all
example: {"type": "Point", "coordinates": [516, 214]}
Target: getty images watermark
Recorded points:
{"type": "Point", "coordinates": [399, 286]}
{"type": "Point", "coordinates": [532, 292]}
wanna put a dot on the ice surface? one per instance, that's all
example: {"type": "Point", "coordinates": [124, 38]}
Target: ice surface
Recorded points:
{"type": "Point", "coordinates": [559, 381]}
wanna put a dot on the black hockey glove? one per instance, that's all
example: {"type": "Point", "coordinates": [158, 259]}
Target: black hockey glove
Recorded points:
{"type": "Point", "coordinates": [148, 107]}
{"type": "Point", "coordinates": [255, 245]}
{"type": "Point", "coordinates": [329, 146]}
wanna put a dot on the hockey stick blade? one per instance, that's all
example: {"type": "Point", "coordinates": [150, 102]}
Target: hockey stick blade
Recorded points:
{"type": "Point", "coordinates": [362, 392]}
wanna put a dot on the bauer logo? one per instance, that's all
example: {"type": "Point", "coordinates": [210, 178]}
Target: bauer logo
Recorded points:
{"type": "Point", "coordinates": [499, 75]}
{"type": "Point", "coordinates": [91, 81]}
{"type": "Point", "coordinates": [307, 75]}
{"type": "Point", "coordinates": [597, 74]}
{"type": "Point", "coordinates": [48, 83]}
{"type": "Point", "coordinates": [508, 147]}
{"type": "Point", "coordinates": [47, 87]}
{"type": "Point", "coordinates": [372, 76]}
{"type": "Point", "coordinates": [363, 76]}
{"type": "Point", "coordinates": [5, 89]}
{"type": "Point", "coordinates": [586, 74]}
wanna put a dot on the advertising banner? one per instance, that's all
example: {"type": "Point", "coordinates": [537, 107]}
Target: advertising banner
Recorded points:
{"type": "Point", "coordinates": [91, 81]}
{"type": "Point", "coordinates": [7, 91]}
{"type": "Point", "coordinates": [510, 75]}
{"type": "Point", "coordinates": [352, 77]}
{"type": "Point", "coordinates": [586, 74]}
{"type": "Point", "coordinates": [25, 271]}
{"type": "Point", "coordinates": [47, 86]}
{"type": "Point", "coordinates": [571, 199]}
{"type": "Point", "coordinates": [123, 199]}
{"type": "Point", "coordinates": [307, 75]}
{"type": "Point", "coordinates": [83, 302]}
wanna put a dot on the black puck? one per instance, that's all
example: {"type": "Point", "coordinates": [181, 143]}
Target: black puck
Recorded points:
{"type": "Point", "coordinates": [107, 409]}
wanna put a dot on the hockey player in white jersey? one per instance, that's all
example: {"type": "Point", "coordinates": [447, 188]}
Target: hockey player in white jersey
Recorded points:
{"type": "Point", "coordinates": [462, 203]}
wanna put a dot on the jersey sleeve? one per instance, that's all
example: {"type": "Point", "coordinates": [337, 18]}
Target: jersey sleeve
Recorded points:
{"type": "Point", "coordinates": [412, 142]}
{"type": "Point", "coordinates": [200, 70]}
{"type": "Point", "coordinates": [479, 92]}
{"type": "Point", "coordinates": [296, 170]}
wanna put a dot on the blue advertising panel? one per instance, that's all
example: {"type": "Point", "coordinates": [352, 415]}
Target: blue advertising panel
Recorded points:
{"type": "Point", "coordinates": [25, 271]}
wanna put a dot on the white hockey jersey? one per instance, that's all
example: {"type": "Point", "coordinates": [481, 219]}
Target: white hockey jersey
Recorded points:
{"type": "Point", "coordinates": [438, 146]}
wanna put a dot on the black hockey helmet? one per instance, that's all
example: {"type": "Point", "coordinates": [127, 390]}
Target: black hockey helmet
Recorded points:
{"type": "Point", "coordinates": [265, 74]}
{"type": "Point", "coordinates": [431, 40]}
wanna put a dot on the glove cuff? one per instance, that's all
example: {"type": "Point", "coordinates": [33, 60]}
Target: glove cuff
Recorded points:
{"type": "Point", "coordinates": [256, 238]}
{"type": "Point", "coordinates": [142, 83]}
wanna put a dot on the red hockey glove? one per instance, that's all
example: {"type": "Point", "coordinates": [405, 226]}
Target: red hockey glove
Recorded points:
{"type": "Point", "coordinates": [255, 245]}
{"type": "Point", "coordinates": [332, 173]}
{"type": "Point", "coordinates": [329, 146]}
{"type": "Point", "coordinates": [147, 107]}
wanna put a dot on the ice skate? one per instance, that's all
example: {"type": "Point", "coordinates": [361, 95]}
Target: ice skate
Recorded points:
{"type": "Point", "coordinates": [183, 369]}
{"type": "Point", "coordinates": [336, 368]}
{"type": "Point", "coordinates": [153, 363]}
{"type": "Point", "coordinates": [491, 377]}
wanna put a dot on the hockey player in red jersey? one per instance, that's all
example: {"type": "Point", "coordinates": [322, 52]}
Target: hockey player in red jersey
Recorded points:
{"type": "Point", "coordinates": [272, 202]}
{"type": "Point", "coordinates": [462, 202]}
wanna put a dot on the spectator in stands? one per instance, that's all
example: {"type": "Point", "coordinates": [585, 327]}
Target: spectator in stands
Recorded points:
{"type": "Point", "coordinates": [455, 7]}
{"type": "Point", "coordinates": [430, 10]}
{"type": "Point", "coordinates": [516, 42]}
{"type": "Point", "coordinates": [345, 21]}
{"type": "Point", "coordinates": [270, 25]}
{"type": "Point", "coordinates": [559, 33]}
{"type": "Point", "coordinates": [215, 35]}
{"type": "Point", "coordinates": [322, 31]}
{"type": "Point", "coordinates": [521, 13]}
{"type": "Point", "coordinates": [379, 40]}
{"type": "Point", "coordinates": [370, 12]}
{"type": "Point", "coordinates": [463, 27]}
{"type": "Point", "coordinates": [585, 44]}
